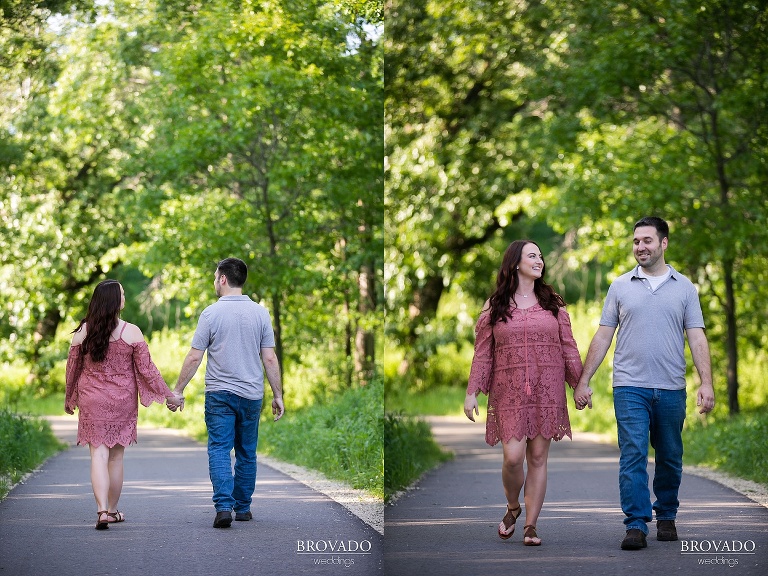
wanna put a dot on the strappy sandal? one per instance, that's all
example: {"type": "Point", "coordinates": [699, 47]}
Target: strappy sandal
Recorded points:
{"type": "Point", "coordinates": [102, 524]}
{"type": "Point", "coordinates": [507, 524]}
{"type": "Point", "coordinates": [117, 515]}
{"type": "Point", "coordinates": [530, 538]}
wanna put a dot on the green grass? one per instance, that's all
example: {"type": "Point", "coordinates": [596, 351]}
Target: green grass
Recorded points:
{"type": "Point", "coordinates": [734, 445]}
{"type": "Point", "coordinates": [409, 451]}
{"type": "Point", "coordinates": [25, 442]}
{"type": "Point", "coordinates": [343, 439]}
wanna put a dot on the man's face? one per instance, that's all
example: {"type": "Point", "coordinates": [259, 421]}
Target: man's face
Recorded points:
{"type": "Point", "coordinates": [648, 249]}
{"type": "Point", "coordinates": [216, 284]}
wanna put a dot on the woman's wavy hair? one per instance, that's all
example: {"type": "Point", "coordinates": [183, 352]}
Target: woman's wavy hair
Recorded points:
{"type": "Point", "coordinates": [507, 283]}
{"type": "Point", "coordinates": [101, 319]}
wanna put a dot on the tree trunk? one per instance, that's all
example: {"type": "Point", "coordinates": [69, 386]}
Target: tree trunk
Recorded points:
{"type": "Point", "coordinates": [348, 372]}
{"type": "Point", "coordinates": [365, 352]}
{"type": "Point", "coordinates": [276, 310]}
{"type": "Point", "coordinates": [45, 331]}
{"type": "Point", "coordinates": [731, 345]}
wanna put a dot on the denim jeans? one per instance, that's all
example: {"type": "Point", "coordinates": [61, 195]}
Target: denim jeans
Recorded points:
{"type": "Point", "coordinates": [643, 413]}
{"type": "Point", "coordinates": [233, 422]}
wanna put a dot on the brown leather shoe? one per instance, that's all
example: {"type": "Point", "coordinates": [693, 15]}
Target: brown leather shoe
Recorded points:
{"type": "Point", "coordinates": [666, 530]}
{"type": "Point", "coordinates": [634, 540]}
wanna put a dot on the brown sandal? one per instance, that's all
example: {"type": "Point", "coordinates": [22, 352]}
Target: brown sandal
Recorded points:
{"type": "Point", "coordinates": [508, 522]}
{"type": "Point", "coordinates": [102, 524]}
{"type": "Point", "coordinates": [530, 538]}
{"type": "Point", "coordinates": [117, 515]}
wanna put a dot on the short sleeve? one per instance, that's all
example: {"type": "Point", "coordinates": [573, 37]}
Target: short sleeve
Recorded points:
{"type": "Point", "coordinates": [202, 338]}
{"type": "Point", "coordinates": [694, 318]}
{"type": "Point", "coordinates": [481, 371]}
{"type": "Point", "coordinates": [610, 315]}
{"type": "Point", "coordinates": [267, 332]}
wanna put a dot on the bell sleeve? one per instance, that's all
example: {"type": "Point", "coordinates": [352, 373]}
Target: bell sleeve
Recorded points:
{"type": "Point", "coordinates": [72, 375]}
{"type": "Point", "coordinates": [481, 372]}
{"type": "Point", "coordinates": [571, 356]}
{"type": "Point", "coordinates": [152, 387]}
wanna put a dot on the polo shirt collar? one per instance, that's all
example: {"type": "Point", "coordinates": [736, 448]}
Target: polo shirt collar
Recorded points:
{"type": "Point", "coordinates": [636, 272]}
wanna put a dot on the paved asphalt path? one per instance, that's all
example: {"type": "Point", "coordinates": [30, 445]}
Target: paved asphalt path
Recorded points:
{"type": "Point", "coordinates": [47, 523]}
{"type": "Point", "coordinates": [447, 525]}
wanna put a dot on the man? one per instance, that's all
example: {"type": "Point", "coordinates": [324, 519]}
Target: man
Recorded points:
{"type": "Point", "coordinates": [655, 308]}
{"type": "Point", "coordinates": [238, 335]}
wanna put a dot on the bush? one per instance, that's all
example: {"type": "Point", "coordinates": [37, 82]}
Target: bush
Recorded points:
{"type": "Point", "coordinates": [24, 443]}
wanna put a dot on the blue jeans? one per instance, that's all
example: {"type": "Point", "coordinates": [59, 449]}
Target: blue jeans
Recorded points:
{"type": "Point", "coordinates": [643, 413]}
{"type": "Point", "coordinates": [233, 422]}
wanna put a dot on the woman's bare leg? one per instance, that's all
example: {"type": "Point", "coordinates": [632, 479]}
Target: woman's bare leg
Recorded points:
{"type": "Point", "coordinates": [115, 467]}
{"type": "Point", "coordinates": [100, 475]}
{"type": "Point", "coordinates": [537, 453]}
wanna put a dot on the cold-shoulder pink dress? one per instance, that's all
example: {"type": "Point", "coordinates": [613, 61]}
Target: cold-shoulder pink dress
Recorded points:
{"type": "Point", "coordinates": [522, 365]}
{"type": "Point", "coordinates": [106, 392]}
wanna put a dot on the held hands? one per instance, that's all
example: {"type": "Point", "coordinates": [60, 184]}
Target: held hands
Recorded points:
{"type": "Point", "coordinates": [177, 402]}
{"type": "Point", "coordinates": [470, 407]}
{"type": "Point", "coordinates": [582, 396]}
{"type": "Point", "coordinates": [278, 409]}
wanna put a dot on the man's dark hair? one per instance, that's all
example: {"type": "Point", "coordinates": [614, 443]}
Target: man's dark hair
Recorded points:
{"type": "Point", "coordinates": [662, 228]}
{"type": "Point", "coordinates": [235, 270]}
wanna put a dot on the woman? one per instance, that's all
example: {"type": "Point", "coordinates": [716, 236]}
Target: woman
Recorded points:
{"type": "Point", "coordinates": [524, 351]}
{"type": "Point", "coordinates": [108, 365]}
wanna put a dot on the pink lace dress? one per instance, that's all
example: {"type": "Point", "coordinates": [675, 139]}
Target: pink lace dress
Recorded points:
{"type": "Point", "coordinates": [106, 392]}
{"type": "Point", "coordinates": [523, 364]}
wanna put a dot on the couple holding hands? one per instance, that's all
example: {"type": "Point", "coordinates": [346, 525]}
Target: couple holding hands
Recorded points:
{"type": "Point", "coordinates": [109, 369]}
{"type": "Point", "coordinates": [525, 352]}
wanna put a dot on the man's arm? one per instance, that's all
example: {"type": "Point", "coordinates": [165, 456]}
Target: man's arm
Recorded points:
{"type": "Point", "coordinates": [697, 341]}
{"type": "Point", "coordinates": [598, 348]}
{"type": "Point", "coordinates": [188, 370]}
{"type": "Point", "coordinates": [272, 370]}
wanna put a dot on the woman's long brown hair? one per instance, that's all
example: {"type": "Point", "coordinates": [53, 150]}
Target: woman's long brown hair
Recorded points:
{"type": "Point", "coordinates": [507, 283]}
{"type": "Point", "coordinates": [101, 319]}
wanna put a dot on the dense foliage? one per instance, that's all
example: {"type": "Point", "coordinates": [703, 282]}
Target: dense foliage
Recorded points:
{"type": "Point", "coordinates": [146, 141]}
{"type": "Point", "coordinates": [521, 118]}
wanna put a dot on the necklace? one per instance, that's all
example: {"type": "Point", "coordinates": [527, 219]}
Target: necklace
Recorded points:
{"type": "Point", "coordinates": [523, 295]}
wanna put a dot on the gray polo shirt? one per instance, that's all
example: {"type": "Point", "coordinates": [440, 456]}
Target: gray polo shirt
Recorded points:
{"type": "Point", "coordinates": [233, 331]}
{"type": "Point", "coordinates": [650, 344]}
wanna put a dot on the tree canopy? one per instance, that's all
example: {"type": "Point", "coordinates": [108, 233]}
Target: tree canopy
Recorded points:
{"type": "Point", "coordinates": [164, 136]}
{"type": "Point", "coordinates": [585, 117]}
